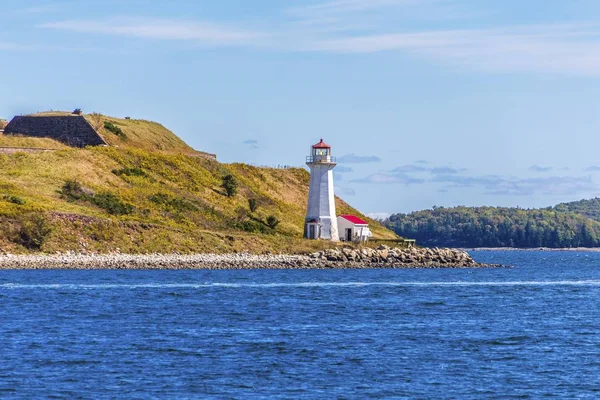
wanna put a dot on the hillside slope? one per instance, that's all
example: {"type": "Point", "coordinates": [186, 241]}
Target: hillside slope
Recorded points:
{"type": "Point", "coordinates": [588, 208]}
{"type": "Point", "coordinates": [499, 227]}
{"type": "Point", "coordinates": [136, 200]}
{"type": "Point", "coordinates": [139, 134]}
{"type": "Point", "coordinates": [118, 132]}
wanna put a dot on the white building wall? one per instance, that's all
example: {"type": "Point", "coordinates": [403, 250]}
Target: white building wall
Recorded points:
{"type": "Point", "coordinates": [344, 224]}
{"type": "Point", "coordinates": [321, 199]}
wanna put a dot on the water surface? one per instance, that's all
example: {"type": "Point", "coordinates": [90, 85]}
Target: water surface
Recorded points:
{"type": "Point", "coordinates": [524, 332]}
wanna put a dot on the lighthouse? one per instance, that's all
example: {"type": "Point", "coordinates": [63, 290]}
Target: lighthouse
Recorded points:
{"type": "Point", "coordinates": [321, 220]}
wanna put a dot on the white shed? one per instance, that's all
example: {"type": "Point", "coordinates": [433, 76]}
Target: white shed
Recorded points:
{"type": "Point", "coordinates": [353, 229]}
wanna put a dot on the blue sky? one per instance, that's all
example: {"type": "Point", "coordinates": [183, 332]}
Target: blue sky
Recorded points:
{"type": "Point", "coordinates": [425, 102]}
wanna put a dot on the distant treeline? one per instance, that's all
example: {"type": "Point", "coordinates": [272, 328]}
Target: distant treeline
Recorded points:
{"type": "Point", "coordinates": [574, 224]}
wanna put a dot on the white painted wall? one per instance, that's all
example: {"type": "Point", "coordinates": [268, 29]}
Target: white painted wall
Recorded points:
{"type": "Point", "coordinates": [321, 199]}
{"type": "Point", "coordinates": [361, 230]}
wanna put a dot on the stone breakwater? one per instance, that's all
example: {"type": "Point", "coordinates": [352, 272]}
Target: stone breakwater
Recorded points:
{"type": "Point", "coordinates": [383, 257]}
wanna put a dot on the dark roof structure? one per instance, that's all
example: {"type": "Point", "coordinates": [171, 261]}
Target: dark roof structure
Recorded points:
{"type": "Point", "coordinates": [72, 130]}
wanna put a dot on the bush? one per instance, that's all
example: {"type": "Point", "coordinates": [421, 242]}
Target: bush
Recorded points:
{"type": "Point", "coordinates": [14, 199]}
{"type": "Point", "coordinates": [253, 227]}
{"type": "Point", "coordinates": [253, 205]}
{"type": "Point", "coordinates": [177, 204]}
{"type": "Point", "coordinates": [112, 204]}
{"type": "Point", "coordinates": [272, 221]}
{"type": "Point", "coordinates": [230, 185]}
{"type": "Point", "coordinates": [109, 126]}
{"type": "Point", "coordinates": [34, 231]}
{"type": "Point", "coordinates": [72, 190]}
{"type": "Point", "coordinates": [130, 172]}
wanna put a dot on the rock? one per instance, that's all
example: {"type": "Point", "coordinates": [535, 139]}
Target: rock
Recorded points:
{"type": "Point", "coordinates": [384, 257]}
{"type": "Point", "coordinates": [383, 254]}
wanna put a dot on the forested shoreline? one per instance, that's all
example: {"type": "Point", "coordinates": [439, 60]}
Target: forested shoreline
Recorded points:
{"type": "Point", "coordinates": [575, 224]}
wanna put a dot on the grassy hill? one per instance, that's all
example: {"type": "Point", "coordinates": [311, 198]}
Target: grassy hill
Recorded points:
{"type": "Point", "coordinates": [149, 194]}
{"type": "Point", "coordinates": [29, 142]}
{"type": "Point", "coordinates": [139, 134]}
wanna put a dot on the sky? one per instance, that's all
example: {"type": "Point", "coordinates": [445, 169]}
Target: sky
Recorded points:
{"type": "Point", "coordinates": [424, 102]}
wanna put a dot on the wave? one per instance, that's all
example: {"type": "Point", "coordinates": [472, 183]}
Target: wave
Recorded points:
{"type": "Point", "coordinates": [104, 286]}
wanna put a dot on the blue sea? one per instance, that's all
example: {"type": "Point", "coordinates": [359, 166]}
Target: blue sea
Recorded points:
{"type": "Point", "coordinates": [531, 331]}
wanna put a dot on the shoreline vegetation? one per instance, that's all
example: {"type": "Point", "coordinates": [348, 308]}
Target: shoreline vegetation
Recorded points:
{"type": "Point", "coordinates": [548, 249]}
{"type": "Point", "coordinates": [566, 225]}
{"type": "Point", "coordinates": [346, 258]}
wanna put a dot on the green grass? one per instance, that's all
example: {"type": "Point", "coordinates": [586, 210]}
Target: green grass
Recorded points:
{"type": "Point", "coordinates": [29, 142]}
{"type": "Point", "coordinates": [139, 134]}
{"type": "Point", "coordinates": [150, 194]}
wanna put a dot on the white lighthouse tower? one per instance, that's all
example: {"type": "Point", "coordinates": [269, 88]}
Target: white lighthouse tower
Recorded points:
{"type": "Point", "coordinates": [321, 220]}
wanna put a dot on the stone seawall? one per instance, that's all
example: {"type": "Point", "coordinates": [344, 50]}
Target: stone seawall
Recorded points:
{"type": "Point", "coordinates": [384, 257]}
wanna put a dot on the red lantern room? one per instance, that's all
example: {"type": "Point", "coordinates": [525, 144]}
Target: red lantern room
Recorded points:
{"type": "Point", "coordinates": [321, 153]}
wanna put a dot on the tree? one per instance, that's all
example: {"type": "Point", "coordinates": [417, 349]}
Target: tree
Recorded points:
{"type": "Point", "coordinates": [272, 221]}
{"type": "Point", "coordinates": [230, 185]}
{"type": "Point", "coordinates": [253, 205]}
{"type": "Point", "coordinates": [500, 227]}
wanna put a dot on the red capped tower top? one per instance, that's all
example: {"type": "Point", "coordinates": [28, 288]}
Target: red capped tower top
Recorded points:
{"type": "Point", "coordinates": [321, 145]}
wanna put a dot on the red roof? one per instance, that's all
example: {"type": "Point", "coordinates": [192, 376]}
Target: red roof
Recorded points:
{"type": "Point", "coordinates": [321, 145]}
{"type": "Point", "coordinates": [355, 220]}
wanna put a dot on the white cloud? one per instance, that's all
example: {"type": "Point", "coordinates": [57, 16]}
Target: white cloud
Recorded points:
{"type": "Point", "coordinates": [379, 216]}
{"type": "Point", "coordinates": [163, 29]}
{"type": "Point", "coordinates": [391, 178]}
{"type": "Point", "coordinates": [355, 159]}
{"type": "Point", "coordinates": [9, 46]}
{"type": "Point", "coordinates": [354, 27]}
{"type": "Point", "coordinates": [556, 48]}
{"type": "Point", "coordinates": [251, 143]}
{"type": "Point", "coordinates": [348, 6]}
{"type": "Point", "coordinates": [39, 9]}
{"type": "Point", "coordinates": [345, 191]}
{"type": "Point", "coordinates": [540, 168]}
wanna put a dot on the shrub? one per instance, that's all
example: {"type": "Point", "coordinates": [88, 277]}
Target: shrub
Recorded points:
{"type": "Point", "coordinates": [34, 231]}
{"type": "Point", "coordinates": [272, 221]}
{"type": "Point", "coordinates": [241, 215]}
{"type": "Point", "coordinates": [174, 203]}
{"type": "Point", "coordinates": [101, 231]}
{"type": "Point", "coordinates": [72, 190]}
{"type": "Point", "coordinates": [130, 172]}
{"type": "Point", "coordinates": [109, 126]}
{"type": "Point", "coordinates": [112, 204]}
{"type": "Point", "coordinates": [230, 185]}
{"type": "Point", "coordinates": [14, 199]}
{"type": "Point", "coordinates": [253, 227]}
{"type": "Point", "coordinates": [253, 205]}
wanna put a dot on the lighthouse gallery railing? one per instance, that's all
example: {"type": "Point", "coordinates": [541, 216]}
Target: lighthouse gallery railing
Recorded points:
{"type": "Point", "coordinates": [321, 159]}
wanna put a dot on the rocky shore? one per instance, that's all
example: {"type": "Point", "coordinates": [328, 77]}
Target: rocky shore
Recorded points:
{"type": "Point", "coordinates": [382, 257]}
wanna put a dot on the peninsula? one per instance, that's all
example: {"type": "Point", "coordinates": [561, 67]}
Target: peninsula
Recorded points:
{"type": "Point", "coordinates": [81, 190]}
{"type": "Point", "coordinates": [98, 184]}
